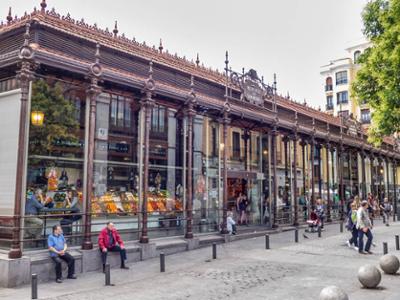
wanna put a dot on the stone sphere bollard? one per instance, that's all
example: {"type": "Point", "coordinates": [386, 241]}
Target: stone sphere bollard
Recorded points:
{"type": "Point", "coordinates": [333, 293]}
{"type": "Point", "coordinates": [369, 276]}
{"type": "Point", "coordinates": [389, 264]}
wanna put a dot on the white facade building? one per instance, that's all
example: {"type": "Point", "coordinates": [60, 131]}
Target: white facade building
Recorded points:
{"type": "Point", "coordinates": [338, 76]}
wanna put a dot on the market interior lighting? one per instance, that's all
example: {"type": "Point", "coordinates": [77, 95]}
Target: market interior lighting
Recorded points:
{"type": "Point", "coordinates": [37, 118]}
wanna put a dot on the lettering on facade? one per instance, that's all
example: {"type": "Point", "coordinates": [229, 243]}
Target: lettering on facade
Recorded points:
{"type": "Point", "coordinates": [253, 89]}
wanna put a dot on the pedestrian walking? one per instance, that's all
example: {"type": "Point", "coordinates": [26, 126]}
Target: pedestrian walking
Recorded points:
{"type": "Point", "coordinates": [351, 226]}
{"type": "Point", "coordinates": [320, 210]}
{"type": "Point", "coordinates": [364, 227]}
{"type": "Point", "coordinates": [387, 209]}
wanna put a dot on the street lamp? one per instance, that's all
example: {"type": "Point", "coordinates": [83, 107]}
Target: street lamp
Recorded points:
{"type": "Point", "coordinates": [37, 118]}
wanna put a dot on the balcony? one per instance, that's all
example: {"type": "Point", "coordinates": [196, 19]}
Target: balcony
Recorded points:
{"type": "Point", "coordinates": [342, 102]}
{"type": "Point", "coordinates": [328, 88]}
{"type": "Point", "coordinates": [329, 106]}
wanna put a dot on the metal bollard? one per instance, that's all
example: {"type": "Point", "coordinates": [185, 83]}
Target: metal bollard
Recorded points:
{"type": "Point", "coordinates": [34, 286]}
{"type": "Point", "coordinates": [319, 231]}
{"type": "Point", "coordinates": [296, 235]}
{"type": "Point", "coordinates": [397, 243]}
{"type": "Point", "coordinates": [385, 248]}
{"type": "Point", "coordinates": [162, 262]}
{"type": "Point", "coordinates": [341, 226]}
{"type": "Point", "coordinates": [107, 274]}
{"type": "Point", "coordinates": [267, 241]}
{"type": "Point", "coordinates": [214, 251]}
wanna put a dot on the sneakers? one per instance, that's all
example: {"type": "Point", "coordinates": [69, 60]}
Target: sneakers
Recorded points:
{"type": "Point", "coordinates": [59, 280]}
{"type": "Point", "coordinates": [373, 244]}
{"type": "Point", "coordinates": [124, 267]}
{"type": "Point", "coordinates": [370, 252]}
{"type": "Point", "coordinates": [362, 252]}
{"type": "Point", "coordinates": [356, 248]}
{"type": "Point", "coordinates": [348, 244]}
{"type": "Point", "coordinates": [73, 276]}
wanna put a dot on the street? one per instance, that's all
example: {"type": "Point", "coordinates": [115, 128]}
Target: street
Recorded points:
{"type": "Point", "coordinates": [243, 269]}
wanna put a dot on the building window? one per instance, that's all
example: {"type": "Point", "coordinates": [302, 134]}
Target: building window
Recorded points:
{"type": "Point", "coordinates": [158, 119]}
{"type": "Point", "coordinates": [328, 84]}
{"type": "Point", "coordinates": [236, 145]}
{"type": "Point", "coordinates": [343, 113]}
{"type": "Point", "coordinates": [365, 116]}
{"type": "Point", "coordinates": [357, 56]}
{"type": "Point", "coordinates": [329, 102]}
{"type": "Point", "coordinates": [342, 97]}
{"type": "Point", "coordinates": [341, 77]}
{"type": "Point", "coordinates": [120, 112]}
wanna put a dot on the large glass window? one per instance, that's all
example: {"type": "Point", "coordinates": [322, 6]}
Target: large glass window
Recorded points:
{"type": "Point", "coordinates": [341, 77]}
{"type": "Point", "coordinates": [55, 159]}
{"type": "Point", "coordinates": [206, 175]}
{"type": "Point", "coordinates": [116, 174]}
{"type": "Point", "coordinates": [166, 196]}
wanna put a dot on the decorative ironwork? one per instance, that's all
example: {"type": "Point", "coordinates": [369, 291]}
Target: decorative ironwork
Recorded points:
{"type": "Point", "coordinates": [253, 89]}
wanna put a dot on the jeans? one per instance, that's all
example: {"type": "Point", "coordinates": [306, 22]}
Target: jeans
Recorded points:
{"type": "Point", "coordinates": [68, 258]}
{"type": "Point", "coordinates": [361, 240]}
{"type": "Point", "coordinates": [354, 236]}
{"type": "Point", "coordinates": [122, 253]}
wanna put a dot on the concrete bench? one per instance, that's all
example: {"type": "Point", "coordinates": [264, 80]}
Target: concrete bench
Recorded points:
{"type": "Point", "coordinates": [44, 267]}
{"type": "Point", "coordinates": [92, 258]}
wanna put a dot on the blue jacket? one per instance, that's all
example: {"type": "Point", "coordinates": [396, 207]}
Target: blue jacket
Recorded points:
{"type": "Point", "coordinates": [32, 206]}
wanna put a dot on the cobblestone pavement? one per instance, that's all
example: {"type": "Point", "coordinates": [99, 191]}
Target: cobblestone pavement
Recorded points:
{"type": "Point", "coordinates": [243, 270]}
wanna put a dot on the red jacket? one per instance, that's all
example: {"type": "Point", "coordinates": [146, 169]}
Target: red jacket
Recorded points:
{"type": "Point", "coordinates": [104, 239]}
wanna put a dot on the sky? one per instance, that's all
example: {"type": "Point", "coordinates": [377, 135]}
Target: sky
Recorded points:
{"type": "Point", "coordinates": [292, 38]}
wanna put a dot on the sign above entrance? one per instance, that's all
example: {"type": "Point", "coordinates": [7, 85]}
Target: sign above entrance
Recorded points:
{"type": "Point", "coordinates": [253, 89]}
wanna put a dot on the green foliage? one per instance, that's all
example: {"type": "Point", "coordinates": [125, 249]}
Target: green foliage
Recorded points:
{"type": "Point", "coordinates": [60, 123]}
{"type": "Point", "coordinates": [378, 80]}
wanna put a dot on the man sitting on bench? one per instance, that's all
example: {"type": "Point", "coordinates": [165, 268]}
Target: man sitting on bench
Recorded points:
{"type": "Point", "coordinates": [58, 251]}
{"type": "Point", "coordinates": [110, 240]}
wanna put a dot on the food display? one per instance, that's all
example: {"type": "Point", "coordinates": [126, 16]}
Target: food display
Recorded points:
{"type": "Point", "coordinates": [52, 180]}
{"type": "Point", "coordinates": [127, 202]}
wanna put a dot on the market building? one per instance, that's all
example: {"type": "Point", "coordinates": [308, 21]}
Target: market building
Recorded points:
{"type": "Point", "coordinates": [98, 127]}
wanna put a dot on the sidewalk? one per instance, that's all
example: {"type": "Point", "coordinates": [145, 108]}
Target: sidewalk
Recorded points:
{"type": "Point", "coordinates": [244, 269]}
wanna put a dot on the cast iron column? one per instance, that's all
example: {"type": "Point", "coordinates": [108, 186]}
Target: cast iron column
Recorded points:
{"type": "Point", "coordinates": [286, 194]}
{"type": "Point", "coordinates": [372, 160]}
{"type": "Point", "coordinates": [328, 211]}
{"type": "Point", "coordinates": [225, 122]}
{"type": "Point", "coordinates": [95, 72]}
{"type": "Point", "coordinates": [190, 112]}
{"type": "Point", "coordinates": [273, 146]}
{"type": "Point", "coordinates": [147, 104]}
{"type": "Point", "coordinates": [312, 146]}
{"type": "Point", "coordinates": [341, 193]}
{"type": "Point", "coordinates": [303, 153]}
{"type": "Point", "coordinates": [380, 167]}
{"type": "Point", "coordinates": [394, 167]}
{"type": "Point", "coordinates": [387, 178]}
{"type": "Point", "coordinates": [363, 177]}
{"type": "Point", "coordinates": [25, 76]}
{"type": "Point", "coordinates": [295, 196]}
{"type": "Point", "coordinates": [319, 148]}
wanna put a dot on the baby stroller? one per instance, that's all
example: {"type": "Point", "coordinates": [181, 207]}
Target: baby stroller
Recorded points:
{"type": "Point", "coordinates": [313, 223]}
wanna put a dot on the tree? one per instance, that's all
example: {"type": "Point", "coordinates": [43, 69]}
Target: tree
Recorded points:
{"type": "Point", "coordinates": [378, 81]}
{"type": "Point", "coordinates": [60, 122]}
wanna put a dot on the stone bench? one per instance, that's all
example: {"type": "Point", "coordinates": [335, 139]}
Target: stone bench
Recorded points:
{"type": "Point", "coordinates": [92, 258]}
{"type": "Point", "coordinates": [44, 267]}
